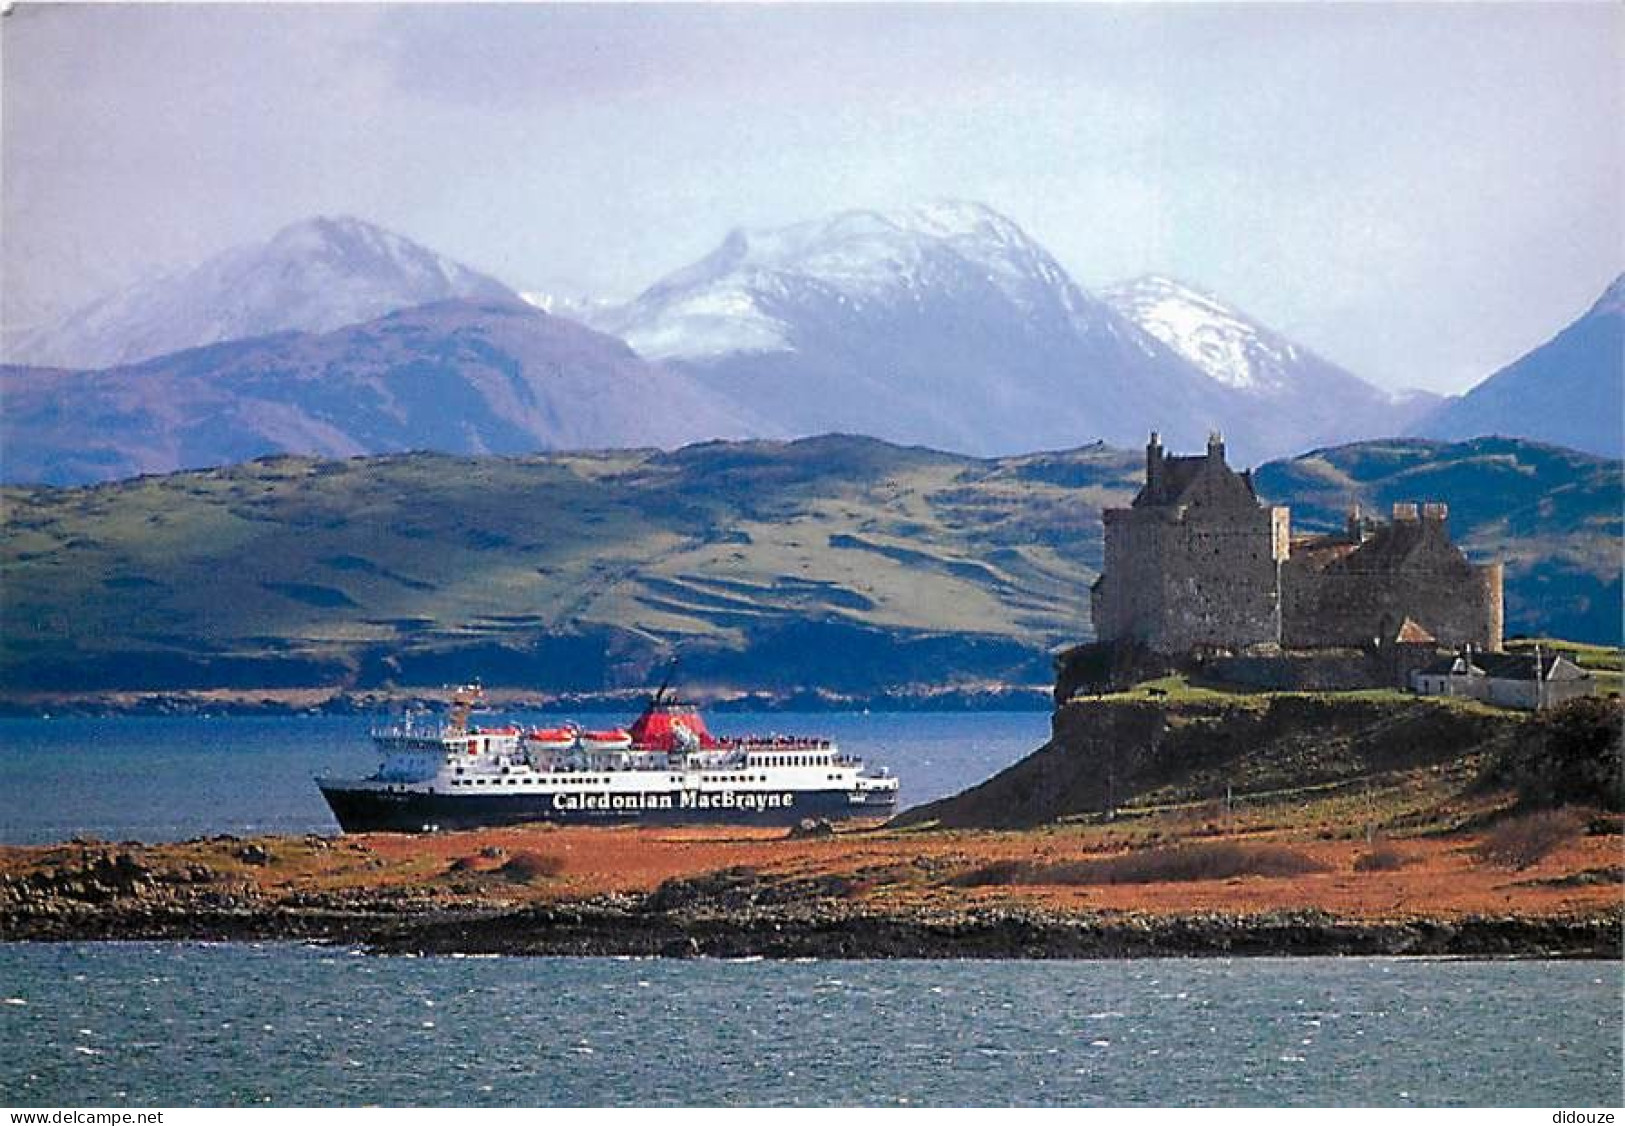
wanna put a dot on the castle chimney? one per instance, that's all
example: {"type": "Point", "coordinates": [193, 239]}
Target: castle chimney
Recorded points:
{"type": "Point", "coordinates": [1404, 513]}
{"type": "Point", "coordinates": [1356, 524]}
{"type": "Point", "coordinates": [1215, 446]}
{"type": "Point", "coordinates": [1153, 465]}
{"type": "Point", "coordinates": [1435, 512]}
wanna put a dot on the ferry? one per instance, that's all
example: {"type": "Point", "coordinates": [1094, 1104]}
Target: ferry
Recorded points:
{"type": "Point", "coordinates": [666, 768]}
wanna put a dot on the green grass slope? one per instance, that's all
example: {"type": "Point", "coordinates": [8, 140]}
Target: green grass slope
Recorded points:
{"type": "Point", "coordinates": [837, 562]}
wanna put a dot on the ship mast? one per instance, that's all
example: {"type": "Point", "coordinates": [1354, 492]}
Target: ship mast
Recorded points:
{"type": "Point", "coordinates": [665, 683]}
{"type": "Point", "coordinates": [463, 700]}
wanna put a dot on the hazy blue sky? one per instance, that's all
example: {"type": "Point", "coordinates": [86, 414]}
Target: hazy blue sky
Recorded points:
{"type": "Point", "coordinates": [1420, 192]}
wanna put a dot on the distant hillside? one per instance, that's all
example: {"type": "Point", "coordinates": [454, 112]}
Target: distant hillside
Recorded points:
{"type": "Point", "coordinates": [1569, 391]}
{"type": "Point", "coordinates": [838, 562]}
{"type": "Point", "coordinates": [312, 276]}
{"type": "Point", "coordinates": [457, 376]}
{"type": "Point", "coordinates": [835, 562]}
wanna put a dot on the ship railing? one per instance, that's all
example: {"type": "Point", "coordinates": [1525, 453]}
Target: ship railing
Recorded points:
{"type": "Point", "coordinates": [583, 766]}
{"type": "Point", "coordinates": [410, 737]}
{"type": "Point", "coordinates": [776, 742]}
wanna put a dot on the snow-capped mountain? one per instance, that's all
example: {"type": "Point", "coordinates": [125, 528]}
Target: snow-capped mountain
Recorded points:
{"type": "Point", "coordinates": [587, 310]}
{"type": "Point", "coordinates": [944, 325]}
{"type": "Point", "coordinates": [1570, 391]}
{"type": "Point", "coordinates": [456, 376]}
{"type": "Point", "coordinates": [313, 276]}
{"type": "Point", "coordinates": [1234, 350]}
{"type": "Point", "coordinates": [1293, 395]}
{"type": "Point", "coordinates": [733, 300]}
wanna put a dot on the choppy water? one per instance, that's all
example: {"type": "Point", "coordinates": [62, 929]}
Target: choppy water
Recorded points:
{"type": "Point", "coordinates": [168, 778]}
{"type": "Point", "coordinates": [185, 1024]}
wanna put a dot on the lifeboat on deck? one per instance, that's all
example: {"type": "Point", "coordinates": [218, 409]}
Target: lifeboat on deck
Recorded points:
{"type": "Point", "coordinates": [614, 739]}
{"type": "Point", "coordinates": [552, 738]}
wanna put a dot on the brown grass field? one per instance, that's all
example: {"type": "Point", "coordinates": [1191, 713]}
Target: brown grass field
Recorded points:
{"type": "Point", "coordinates": [1449, 876]}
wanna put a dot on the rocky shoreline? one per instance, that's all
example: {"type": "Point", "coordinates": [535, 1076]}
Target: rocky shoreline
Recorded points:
{"type": "Point", "coordinates": [731, 914]}
{"type": "Point", "coordinates": [606, 928]}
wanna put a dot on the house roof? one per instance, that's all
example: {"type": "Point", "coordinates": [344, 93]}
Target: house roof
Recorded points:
{"type": "Point", "coordinates": [1522, 666]}
{"type": "Point", "coordinates": [1402, 545]}
{"type": "Point", "coordinates": [1412, 633]}
{"type": "Point", "coordinates": [1180, 473]}
{"type": "Point", "coordinates": [1507, 666]}
{"type": "Point", "coordinates": [1181, 476]}
{"type": "Point", "coordinates": [1454, 665]}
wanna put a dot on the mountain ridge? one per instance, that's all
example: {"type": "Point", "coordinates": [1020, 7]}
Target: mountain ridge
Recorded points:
{"type": "Point", "coordinates": [1569, 390]}
{"type": "Point", "coordinates": [1309, 400]}
{"type": "Point", "coordinates": [314, 275]}
{"type": "Point", "coordinates": [948, 324]}
{"type": "Point", "coordinates": [942, 324]}
{"type": "Point", "coordinates": [496, 376]}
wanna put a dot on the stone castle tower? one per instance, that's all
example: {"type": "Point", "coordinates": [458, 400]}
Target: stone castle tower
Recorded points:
{"type": "Point", "coordinates": [1199, 562]}
{"type": "Point", "coordinates": [1195, 561]}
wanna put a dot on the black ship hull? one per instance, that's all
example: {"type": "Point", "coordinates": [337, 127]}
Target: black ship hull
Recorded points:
{"type": "Point", "coordinates": [367, 810]}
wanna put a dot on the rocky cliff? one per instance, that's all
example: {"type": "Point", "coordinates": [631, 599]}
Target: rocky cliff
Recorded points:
{"type": "Point", "coordinates": [1409, 762]}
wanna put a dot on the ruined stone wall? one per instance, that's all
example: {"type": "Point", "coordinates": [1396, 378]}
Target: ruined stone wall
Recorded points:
{"type": "Point", "coordinates": [1320, 670]}
{"type": "Point", "coordinates": [1457, 605]}
{"type": "Point", "coordinates": [1331, 670]}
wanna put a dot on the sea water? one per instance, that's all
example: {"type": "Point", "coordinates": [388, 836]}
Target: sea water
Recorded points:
{"type": "Point", "coordinates": [187, 1024]}
{"type": "Point", "coordinates": [169, 778]}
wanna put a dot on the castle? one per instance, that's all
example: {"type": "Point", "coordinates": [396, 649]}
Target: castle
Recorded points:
{"type": "Point", "coordinates": [1198, 563]}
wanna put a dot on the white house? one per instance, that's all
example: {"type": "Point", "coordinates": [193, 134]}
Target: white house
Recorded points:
{"type": "Point", "coordinates": [1533, 681]}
